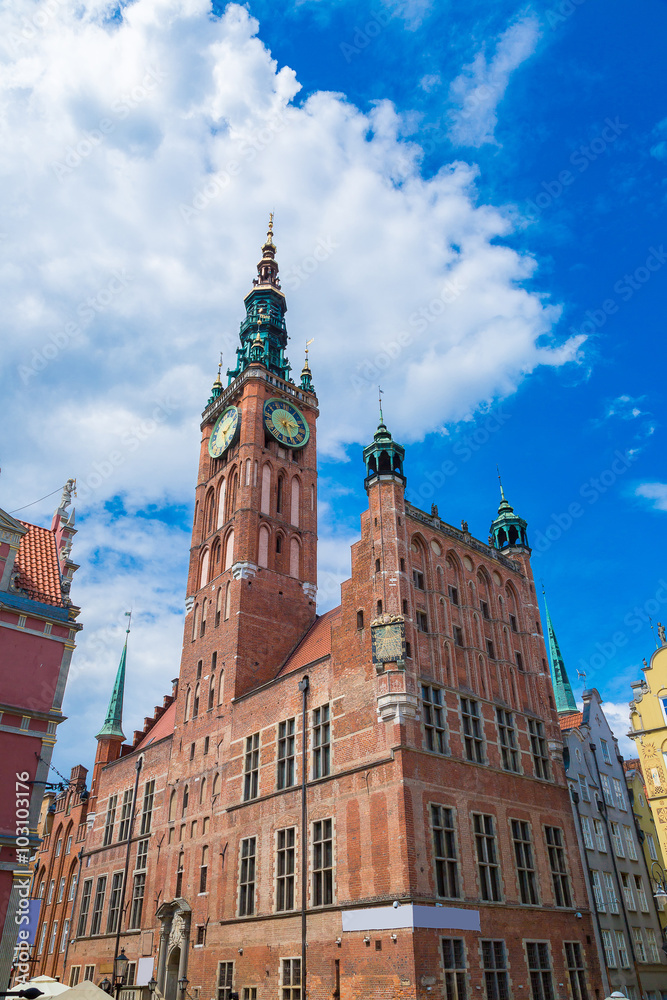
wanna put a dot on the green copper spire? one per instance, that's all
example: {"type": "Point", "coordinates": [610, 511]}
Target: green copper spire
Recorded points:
{"type": "Point", "coordinates": [565, 702]}
{"type": "Point", "coordinates": [263, 332]}
{"type": "Point", "coordinates": [113, 727]}
{"type": "Point", "coordinates": [384, 457]}
{"type": "Point", "coordinates": [508, 530]}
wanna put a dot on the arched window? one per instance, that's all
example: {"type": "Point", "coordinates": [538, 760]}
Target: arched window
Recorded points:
{"type": "Point", "coordinates": [211, 692]}
{"type": "Point", "coordinates": [186, 796]}
{"type": "Point", "coordinates": [203, 573]}
{"type": "Point", "coordinates": [279, 494]}
{"type": "Point", "coordinates": [265, 506]}
{"type": "Point", "coordinates": [210, 503]}
{"type": "Point", "coordinates": [186, 715]}
{"type": "Point", "coordinates": [195, 623]}
{"type": "Point", "coordinates": [204, 605]}
{"type": "Point", "coordinates": [221, 504]}
{"type": "Point", "coordinates": [229, 550]}
{"type": "Point", "coordinates": [254, 475]}
{"type": "Point", "coordinates": [279, 544]}
{"type": "Point", "coordinates": [195, 703]}
{"type": "Point", "coordinates": [312, 498]}
{"type": "Point", "coordinates": [216, 786]}
{"type": "Point", "coordinates": [218, 607]}
{"type": "Point", "coordinates": [295, 558]}
{"type": "Point", "coordinates": [221, 686]}
{"type": "Point", "coordinates": [172, 805]}
{"type": "Point", "coordinates": [202, 790]}
{"type": "Point", "coordinates": [228, 598]}
{"type": "Point", "coordinates": [214, 565]}
{"type": "Point", "coordinates": [248, 471]}
{"type": "Point", "coordinates": [263, 546]}
{"type": "Point", "coordinates": [232, 499]}
{"type": "Point", "coordinates": [296, 502]}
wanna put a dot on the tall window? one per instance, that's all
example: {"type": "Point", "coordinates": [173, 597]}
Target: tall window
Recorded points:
{"type": "Point", "coordinates": [139, 885]}
{"type": "Point", "coordinates": [610, 890]}
{"type": "Point", "coordinates": [61, 889]}
{"type": "Point", "coordinates": [525, 864]}
{"type": "Point", "coordinates": [583, 788]}
{"type": "Point", "coordinates": [574, 955]}
{"type": "Point", "coordinates": [179, 874]}
{"type": "Point", "coordinates": [509, 749]}
{"type": "Point", "coordinates": [640, 950]}
{"type": "Point", "coordinates": [321, 742]}
{"type": "Point", "coordinates": [285, 861]}
{"type": "Point", "coordinates": [98, 904]}
{"type": "Point", "coordinates": [454, 964]}
{"type": "Point", "coordinates": [125, 813]}
{"type": "Point", "coordinates": [203, 870]}
{"type": "Point", "coordinates": [63, 936]}
{"type": "Point", "coordinates": [86, 893]}
{"type": "Point", "coordinates": [487, 857]}
{"type": "Point", "coordinates": [609, 951]}
{"type": "Point", "coordinates": [473, 737]}
{"type": "Point", "coordinates": [110, 819]}
{"type": "Point", "coordinates": [286, 758]}
{"type": "Point", "coordinates": [52, 940]}
{"type": "Point", "coordinates": [494, 961]}
{"type": "Point", "coordinates": [628, 893]}
{"type": "Point", "coordinates": [599, 836]}
{"type": "Point", "coordinates": [114, 902]}
{"type": "Point", "coordinates": [606, 789]}
{"type": "Point", "coordinates": [586, 830]}
{"type": "Point", "coordinates": [557, 864]}
{"type": "Point", "coordinates": [653, 955]}
{"type": "Point", "coordinates": [653, 853]}
{"type": "Point", "coordinates": [434, 719]}
{"type": "Point", "coordinates": [630, 843]}
{"type": "Point", "coordinates": [251, 768]}
{"type": "Point", "coordinates": [539, 969]}
{"type": "Point", "coordinates": [147, 807]}
{"type": "Point", "coordinates": [247, 877]}
{"type": "Point", "coordinates": [74, 974]}
{"type": "Point", "coordinates": [444, 849]}
{"type": "Point", "coordinates": [323, 862]}
{"type": "Point", "coordinates": [52, 889]}
{"type": "Point", "coordinates": [620, 794]}
{"type": "Point", "coordinates": [619, 846]}
{"type": "Point", "coordinates": [290, 975]}
{"type": "Point", "coordinates": [598, 892]}
{"type": "Point", "coordinates": [622, 950]}
{"type": "Point", "coordinates": [538, 749]}
{"type": "Point", "coordinates": [225, 979]}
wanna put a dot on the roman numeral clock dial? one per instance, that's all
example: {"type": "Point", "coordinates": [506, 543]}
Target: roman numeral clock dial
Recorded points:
{"type": "Point", "coordinates": [225, 431]}
{"type": "Point", "coordinates": [286, 423]}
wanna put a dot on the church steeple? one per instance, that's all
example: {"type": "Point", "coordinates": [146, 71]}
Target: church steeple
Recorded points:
{"type": "Point", "coordinates": [113, 724]}
{"type": "Point", "coordinates": [508, 530]}
{"type": "Point", "coordinates": [263, 332]}
{"type": "Point", "coordinates": [565, 702]}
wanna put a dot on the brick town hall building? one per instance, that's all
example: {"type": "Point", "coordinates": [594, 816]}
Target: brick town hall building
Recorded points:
{"type": "Point", "coordinates": [370, 802]}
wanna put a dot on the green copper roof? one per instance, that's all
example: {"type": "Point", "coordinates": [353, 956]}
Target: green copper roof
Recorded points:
{"type": "Point", "coordinates": [508, 530]}
{"type": "Point", "coordinates": [113, 723]}
{"type": "Point", "coordinates": [564, 698]}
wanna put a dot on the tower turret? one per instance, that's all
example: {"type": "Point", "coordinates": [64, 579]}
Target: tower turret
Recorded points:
{"type": "Point", "coordinates": [508, 530]}
{"type": "Point", "coordinates": [565, 702]}
{"type": "Point", "coordinates": [384, 456]}
{"type": "Point", "coordinates": [113, 724]}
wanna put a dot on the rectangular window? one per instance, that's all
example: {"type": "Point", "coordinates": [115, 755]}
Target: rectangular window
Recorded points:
{"type": "Point", "coordinates": [583, 788]}
{"type": "Point", "coordinates": [323, 862]}
{"type": "Point", "coordinates": [61, 889]}
{"type": "Point", "coordinates": [85, 906]}
{"type": "Point", "coordinates": [203, 870]}
{"type": "Point", "coordinates": [494, 962]}
{"type": "Point", "coordinates": [422, 621]}
{"type": "Point", "coordinates": [599, 836]}
{"type": "Point", "coordinates": [110, 820]}
{"type": "Point", "coordinates": [640, 950]}
{"type": "Point", "coordinates": [138, 890]}
{"type": "Point", "coordinates": [444, 852]}
{"type": "Point", "coordinates": [247, 877]}
{"type": "Point", "coordinates": [285, 868]}
{"type": "Point", "coordinates": [458, 635]}
{"type": "Point", "coordinates": [610, 889]}
{"type": "Point", "coordinates": [125, 813]}
{"type": "Point", "coordinates": [290, 975]}
{"type": "Point", "coordinates": [509, 748]}
{"type": "Point", "coordinates": [98, 904]}
{"type": "Point", "coordinates": [525, 864]}
{"type": "Point", "coordinates": [433, 714]}
{"type": "Point", "coordinates": [641, 895]}
{"type": "Point", "coordinates": [142, 855]}
{"type": "Point", "coordinates": [74, 974]}
{"type": "Point", "coordinates": [653, 854]}
{"type": "Point", "coordinates": [453, 595]}
{"type": "Point", "coordinates": [606, 789]}
{"type": "Point", "coordinates": [609, 951]}
{"type": "Point", "coordinates": [489, 649]}
{"type": "Point", "coordinates": [72, 887]}
{"type": "Point", "coordinates": [52, 939]}
{"type": "Point", "coordinates": [89, 973]}
{"type": "Point", "coordinates": [68, 846]}
{"type": "Point", "coordinates": [538, 749]}
{"type": "Point", "coordinates": [473, 737]}
{"type": "Point", "coordinates": [519, 659]}
{"type": "Point", "coordinates": [454, 964]}
{"type": "Point", "coordinates": [59, 846]}
{"type": "Point", "coordinates": [622, 950]}
{"type": "Point", "coordinates": [52, 889]}
{"type": "Point", "coordinates": [42, 938]}
{"type": "Point", "coordinates": [628, 893]}
{"type": "Point", "coordinates": [574, 955]}
{"type": "Point", "coordinates": [251, 768]}
{"type": "Point", "coordinates": [286, 757]}
{"type": "Point", "coordinates": [147, 807]}
{"type": "Point", "coordinates": [653, 955]}
{"type": "Point", "coordinates": [321, 742]}
{"type": "Point", "coordinates": [586, 831]}
{"type": "Point", "coordinates": [630, 843]}
{"type": "Point", "coordinates": [620, 793]}
{"type": "Point", "coordinates": [513, 623]}
{"type": "Point", "coordinates": [114, 902]}
{"type": "Point", "coordinates": [42, 886]}
{"type": "Point", "coordinates": [605, 751]}
{"type": "Point", "coordinates": [225, 979]}
{"type": "Point", "coordinates": [619, 847]}
{"type": "Point", "coordinates": [487, 857]}
{"type": "Point", "coordinates": [557, 863]}
{"type": "Point", "coordinates": [598, 892]}
{"type": "Point", "coordinates": [418, 579]}
{"type": "Point", "coordinates": [485, 609]}
{"type": "Point", "coordinates": [249, 993]}
{"type": "Point", "coordinates": [539, 969]}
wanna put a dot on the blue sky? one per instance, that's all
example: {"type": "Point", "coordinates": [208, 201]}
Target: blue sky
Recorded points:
{"type": "Point", "coordinates": [486, 187]}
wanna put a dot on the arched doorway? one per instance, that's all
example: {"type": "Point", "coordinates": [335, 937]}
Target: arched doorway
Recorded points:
{"type": "Point", "coordinates": [171, 982]}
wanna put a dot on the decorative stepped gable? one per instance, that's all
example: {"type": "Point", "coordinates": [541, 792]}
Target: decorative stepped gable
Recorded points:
{"type": "Point", "coordinates": [263, 332]}
{"type": "Point", "coordinates": [565, 702]}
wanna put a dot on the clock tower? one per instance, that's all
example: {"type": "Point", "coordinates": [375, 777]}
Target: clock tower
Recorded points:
{"type": "Point", "coordinates": [253, 561]}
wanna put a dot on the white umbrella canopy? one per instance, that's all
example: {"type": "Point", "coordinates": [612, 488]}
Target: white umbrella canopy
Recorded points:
{"type": "Point", "coordinates": [49, 987]}
{"type": "Point", "coordinates": [86, 990]}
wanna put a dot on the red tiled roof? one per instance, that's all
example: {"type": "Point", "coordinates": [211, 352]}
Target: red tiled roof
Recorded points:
{"type": "Point", "coordinates": [37, 562]}
{"type": "Point", "coordinates": [315, 643]}
{"type": "Point", "coordinates": [571, 721]}
{"type": "Point", "coordinates": [163, 727]}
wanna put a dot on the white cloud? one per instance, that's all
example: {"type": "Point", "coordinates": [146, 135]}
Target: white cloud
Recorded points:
{"type": "Point", "coordinates": [654, 491]}
{"type": "Point", "coordinates": [140, 159]}
{"type": "Point", "coordinates": [618, 717]}
{"type": "Point", "coordinates": [476, 93]}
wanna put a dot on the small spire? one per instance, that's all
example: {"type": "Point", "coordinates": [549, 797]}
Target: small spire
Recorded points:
{"type": "Point", "coordinates": [502, 492]}
{"type": "Point", "coordinates": [380, 391]}
{"type": "Point", "coordinates": [306, 374]}
{"type": "Point", "coordinates": [565, 702]}
{"type": "Point", "coordinates": [113, 724]}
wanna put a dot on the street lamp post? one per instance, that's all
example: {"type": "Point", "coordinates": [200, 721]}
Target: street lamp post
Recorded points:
{"type": "Point", "coordinates": [183, 985]}
{"type": "Point", "coordinates": [120, 966]}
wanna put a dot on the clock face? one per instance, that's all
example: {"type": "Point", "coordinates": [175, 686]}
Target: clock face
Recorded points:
{"type": "Point", "coordinates": [224, 432]}
{"type": "Point", "coordinates": [285, 423]}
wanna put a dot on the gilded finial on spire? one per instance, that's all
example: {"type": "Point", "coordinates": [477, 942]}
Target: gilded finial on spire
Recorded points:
{"type": "Point", "coordinates": [380, 391]}
{"type": "Point", "coordinates": [128, 614]}
{"type": "Point", "coordinates": [502, 492]}
{"type": "Point", "coordinates": [216, 391]}
{"type": "Point", "coordinates": [306, 374]}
